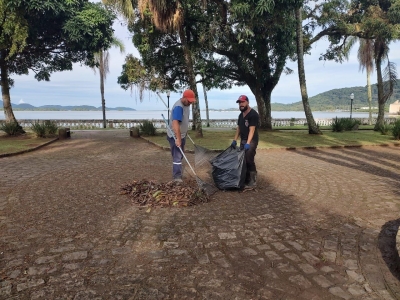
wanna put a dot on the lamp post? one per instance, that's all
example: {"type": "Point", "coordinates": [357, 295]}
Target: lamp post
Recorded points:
{"type": "Point", "coordinates": [351, 104]}
{"type": "Point", "coordinates": [168, 94]}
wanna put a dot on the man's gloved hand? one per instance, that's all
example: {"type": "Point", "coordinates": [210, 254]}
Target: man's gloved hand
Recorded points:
{"type": "Point", "coordinates": [246, 146]}
{"type": "Point", "coordinates": [233, 144]}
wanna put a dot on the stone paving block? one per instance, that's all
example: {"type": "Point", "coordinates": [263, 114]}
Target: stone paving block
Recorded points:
{"type": "Point", "coordinates": [339, 292]}
{"type": "Point", "coordinates": [322, 281]}
{"type": "Point", "coordinates": [306, 268]}
{"type": "Point", "coordinates": [295, 237]}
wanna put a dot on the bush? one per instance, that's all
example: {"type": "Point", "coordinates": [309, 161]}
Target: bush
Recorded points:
{"type": "Point", "coordinates": [396, 130]}
{"type": "Point", "coordinates": [345, 124]}
{"type": "Point", "coordinates": [45, 128]}
{"type": "Point", "coordinates": [10, 128]}
{"type": "Point", "coordinates": [39, 129]}
{"type": "Point", "coordinates": [337, 125]}
{"type": "Point", "coordinates": [385, 128]}
{"type": "Point", "coordinates": [51, 127]}
{"type": "Point", "coordinates": [147, 128]}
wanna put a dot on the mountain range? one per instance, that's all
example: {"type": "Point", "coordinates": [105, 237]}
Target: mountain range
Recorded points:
{"type": "Point", "coordinates": [340, 99]}
{"type": "Point", "coordinates": [26, 106]}
{"type": "Point", "coordinates": [327, 101]}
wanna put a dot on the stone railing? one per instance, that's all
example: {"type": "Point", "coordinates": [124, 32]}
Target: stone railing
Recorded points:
{"type": "Point", "coordinates": [231, 123]}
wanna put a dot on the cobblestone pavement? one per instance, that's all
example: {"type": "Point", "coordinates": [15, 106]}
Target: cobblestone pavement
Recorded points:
{"type": "Point", "coordinates": [321, 225]}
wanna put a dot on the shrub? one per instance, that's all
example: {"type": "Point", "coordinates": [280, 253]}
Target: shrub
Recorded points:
{"type": "Point", "coordinates": [51, 127]}
{"type": "Point", "coordinates": [345, 124]}
{"type": "Point", "coordinates": [396, 129]}
{"type": "Point", "coordinates": [147, 128]}
{"type": "Point", "coordinates": [385, 128]}
{"type": "Point", "coordinates": [10, 128]}
{"type": "Point", "coordinates": [39, 129]}
{"type": "Point", "coordinates": [337, 125]}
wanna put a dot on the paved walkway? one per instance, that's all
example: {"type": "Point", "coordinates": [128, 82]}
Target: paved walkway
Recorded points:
{"type": "Point", "coordinates": [322, 225]}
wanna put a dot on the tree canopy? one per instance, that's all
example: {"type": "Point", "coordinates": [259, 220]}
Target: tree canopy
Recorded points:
{"type": "Point", "coordinates": [48, 36]}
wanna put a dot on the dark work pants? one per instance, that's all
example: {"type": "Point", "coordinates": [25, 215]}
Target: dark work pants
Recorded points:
{"type": "Point", "coordinates": [250, 154]}
{"type": "Point", "coordinates": [176, 157]}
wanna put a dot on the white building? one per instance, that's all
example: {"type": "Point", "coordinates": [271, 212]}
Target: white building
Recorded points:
{"type": "Point", "coordinates": [394, 108]}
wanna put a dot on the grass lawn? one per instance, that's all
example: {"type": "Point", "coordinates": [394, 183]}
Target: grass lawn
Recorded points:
{"type": "Point", "coordinates": [221, 139]}
{"type": "Point", "coordinates": [11, 144]}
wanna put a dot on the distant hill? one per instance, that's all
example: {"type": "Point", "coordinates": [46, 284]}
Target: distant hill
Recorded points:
{"type": "Point", "coordinates": [339, 99]}
{"type": "Point", "coordinates": [26, 106]}
{"type": "Point", "coordinates": [327, 101]}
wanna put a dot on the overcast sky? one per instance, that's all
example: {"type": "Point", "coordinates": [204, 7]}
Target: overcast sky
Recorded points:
{"type": "Point", "coordinates": [82, 86]}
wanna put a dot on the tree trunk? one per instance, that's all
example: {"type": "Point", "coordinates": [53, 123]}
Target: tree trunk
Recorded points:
{"type": "Point", "coordinates": [5, 92]}
{"type": "Point", "coordinates": [369, 97]}
{"type": "Point", "coordinates": [192, 82]}
{"type": "Point", "coordinates": [312, 126]}
{"type": "Point", "coordinates": [381, 103]}
{"type": "Point", "coordinates": [263, 99]}
{"type": "Point", "coordinates": [102, 76]}
{"type": "Point", "coordinates": [206, 101]}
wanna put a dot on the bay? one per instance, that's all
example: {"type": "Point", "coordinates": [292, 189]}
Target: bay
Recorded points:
{"type": "Point", "coordinates": [156, 115]}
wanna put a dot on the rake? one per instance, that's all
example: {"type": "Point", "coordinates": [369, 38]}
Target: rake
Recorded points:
{"type": "Point", "coordinates": [204, 186]}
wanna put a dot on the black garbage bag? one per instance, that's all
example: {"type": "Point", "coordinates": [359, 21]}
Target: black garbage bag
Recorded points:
{"type": "Point", "coordinates": [229, 169]}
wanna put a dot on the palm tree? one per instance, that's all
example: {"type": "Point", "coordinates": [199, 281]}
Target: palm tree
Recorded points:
{"type": "Point", "coordinates": [167, 16]}
{"type": "Point", "coordinates": [312, 126]}
{"type": "Point", "coordinates": [365, 57]}
{"type": "Point", "coordinates": [102, 59]}
{"type": "Point", "coordinates": [387, 80]}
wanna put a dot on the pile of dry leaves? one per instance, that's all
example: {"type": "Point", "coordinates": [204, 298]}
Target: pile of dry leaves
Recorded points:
{"type": "Point", "coordinates": [151, 194]}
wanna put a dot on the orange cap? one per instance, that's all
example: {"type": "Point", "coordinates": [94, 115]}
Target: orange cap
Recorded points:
{"type": "Point", "coordinates": [189, 95]}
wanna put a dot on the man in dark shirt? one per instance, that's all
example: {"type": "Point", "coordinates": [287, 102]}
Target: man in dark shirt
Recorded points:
{"type": "Point", "coordinates": [247, 130]}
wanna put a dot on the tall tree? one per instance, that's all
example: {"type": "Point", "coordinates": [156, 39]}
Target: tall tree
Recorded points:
{"type": "Point", "coordinates": [312, 126]}
{"type": "Point", "coordinates": [370, 20]}
{"type": "Point", "coordinates": [256, 37]}
{"type": "Point", "coordinates": [365, 55]}
{"type": "Point", "coordinates": [102, 60]}
{"type": "Point", "coordinates": [169, 17]}
{"type": "Point", "coordinates": [47, 36]}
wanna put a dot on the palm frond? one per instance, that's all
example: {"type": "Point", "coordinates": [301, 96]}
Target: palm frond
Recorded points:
{"type": "Point", "coordinates": [116, 42]}
{"type": "Point", "coordinates": [365, 55]}
{"type": "Point", "coordinates": [348, 44]}
{"type": "Point", "coordinates": [389, 80]}
{"type": "Point", "coordinates": [167, 15]}
{"type": "Point", "coordinates": [124, 7]}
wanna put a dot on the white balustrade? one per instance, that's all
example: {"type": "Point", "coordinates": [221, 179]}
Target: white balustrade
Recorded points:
{"type": "Point", "coordinates": [160, 124]}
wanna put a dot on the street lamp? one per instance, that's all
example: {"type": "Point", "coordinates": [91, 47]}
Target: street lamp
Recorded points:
{"type": "Point", "coordinates": [351, 104]}
{"type": "Point", "coordinates": [168, 94]}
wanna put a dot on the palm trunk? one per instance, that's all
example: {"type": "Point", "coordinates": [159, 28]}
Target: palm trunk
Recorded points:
{"type": "Point", "coordinates": [312, 126]}
{"type": "Point", "coordinates": [5, 92]}
{"type": "Point", "coordinates": [206, 101]}
{"type": "Point", "coordinates": [369, 97]}
{"type": "Point", "coordinates": [192, 83]}
{"type": "Point", "coordinates": [381, 103]}
{"type": "Point", "coordinates": [102, 74]}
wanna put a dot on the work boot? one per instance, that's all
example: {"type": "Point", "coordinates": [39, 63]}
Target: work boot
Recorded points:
{"type": "Point", "coordinates": [253, 180]}
{"type": "Point", "coordinates": [178, 181]}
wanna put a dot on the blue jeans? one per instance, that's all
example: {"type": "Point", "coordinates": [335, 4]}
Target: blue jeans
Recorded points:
{"type": "Point", "coordinates": [176, 157]}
